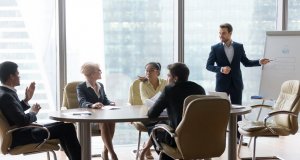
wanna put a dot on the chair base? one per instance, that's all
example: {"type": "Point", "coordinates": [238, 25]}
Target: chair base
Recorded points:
{"type": "Point", "coordinates": [259, 158]}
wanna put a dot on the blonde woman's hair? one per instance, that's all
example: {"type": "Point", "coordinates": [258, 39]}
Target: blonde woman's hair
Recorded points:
{"type": "Point", "coordinates": [88, 68]}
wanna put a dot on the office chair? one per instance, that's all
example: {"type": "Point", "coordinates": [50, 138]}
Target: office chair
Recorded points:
{"type": "Point", "coordinates": [201, 133]}
{"type": "Point", "coordinates": [284, 115]}
{"type": "Point", "coordinates": [70, 101]}
{"type": "Point", "coordinates": [6, 139]}
{"type": "Point", "coordinates": [135, 99]}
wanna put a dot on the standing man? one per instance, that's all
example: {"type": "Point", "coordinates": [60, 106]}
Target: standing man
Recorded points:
{"type": "Point", "coordinates": [225, 59]}
{"type": "Point", "coordinates": [14, 109]}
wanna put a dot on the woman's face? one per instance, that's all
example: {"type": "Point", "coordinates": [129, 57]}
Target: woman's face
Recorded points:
{"type": "Point", "coordinates": [151, 72]}
{"type": "Point", "coordinates": [96, 74]}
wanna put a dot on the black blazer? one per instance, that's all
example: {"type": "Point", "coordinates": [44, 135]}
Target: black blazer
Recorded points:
{"type": "Point", "coordinates": [13, 109]}
{"type": "Point", "coordinates": [87, 96]}
{"type": "Point", "coordinates": [172, 99]}
{"type": "Point", "coordinates": [217, 55]}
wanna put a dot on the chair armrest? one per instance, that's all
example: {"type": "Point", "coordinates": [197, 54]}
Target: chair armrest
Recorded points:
{"type": "Point", "coordinates": [271, 114]}
{"type": "Point", "coordinates": [33, 125]}
{"type": "Point", "coordinates": [261, 106]}
{"type": "Point", "coordinates": [164, 127]}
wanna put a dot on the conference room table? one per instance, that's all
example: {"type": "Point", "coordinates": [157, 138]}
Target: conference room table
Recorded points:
{"type": "Point", "coordinates": [86, 116]}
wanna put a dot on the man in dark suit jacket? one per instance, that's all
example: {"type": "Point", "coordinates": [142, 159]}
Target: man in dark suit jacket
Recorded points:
{"type": "Point", "coordinates": [228, 55]}
{"type": "Point", "coordinates": [173, 96]}
{"type": "Point", "coordinates": [14, 111]}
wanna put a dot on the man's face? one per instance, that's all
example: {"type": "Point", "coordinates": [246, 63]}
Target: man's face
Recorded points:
{"type": "Point", "coordinates": [170, 79]}
{"type": "Point", "coordinates": [224, 35]}
{"type": "Point", "coordinates": [15, 78]}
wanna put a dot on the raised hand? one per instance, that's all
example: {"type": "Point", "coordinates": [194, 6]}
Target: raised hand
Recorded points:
{"type": "Point", "coordinates": [29, 92]}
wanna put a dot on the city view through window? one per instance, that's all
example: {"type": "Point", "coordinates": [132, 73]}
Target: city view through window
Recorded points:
{"type": "Point", "coordinates": [123, 35]}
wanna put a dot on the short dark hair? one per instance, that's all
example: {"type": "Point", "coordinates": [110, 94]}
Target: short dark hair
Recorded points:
{"type": "Point", "coordinates": [7, 68]}
{"type": "Point", "coordinates": [228, 26]}
{"type": "Point", "coordinates": [180, 70]}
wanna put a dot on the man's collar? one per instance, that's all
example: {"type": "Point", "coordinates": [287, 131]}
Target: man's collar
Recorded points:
{"type": "Point", "coordinates": [224, 44]}
{"type": "Point", "coordinates": [11, 88]}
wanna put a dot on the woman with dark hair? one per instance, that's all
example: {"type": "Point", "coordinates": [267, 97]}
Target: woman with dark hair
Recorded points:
{"type": "Point", "coordinates": [149, 87]}
{"type": "Point", "coordinates": [152, 84]}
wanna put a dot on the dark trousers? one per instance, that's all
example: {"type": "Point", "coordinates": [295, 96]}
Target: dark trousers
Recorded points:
{"type": "Point", "coordinates": [161, 136]}
{"type": "Point", "coordinates": [65, 132]}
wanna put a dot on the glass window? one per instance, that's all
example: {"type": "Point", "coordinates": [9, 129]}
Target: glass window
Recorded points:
{"type": "Point", "coordinates": [122, 36]}
{"type": "Point", "coordinates": [28, 37]}
{"type": "Point", "coordinates": [293, 14]}
{"type": "Point", "coordinates": [250, 21]}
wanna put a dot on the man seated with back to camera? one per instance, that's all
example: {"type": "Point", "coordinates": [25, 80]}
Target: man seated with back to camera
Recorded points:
{"type": "Point", "coordinates": [172, 99]}
{"type": "Point", "coordinates": [14, 109]}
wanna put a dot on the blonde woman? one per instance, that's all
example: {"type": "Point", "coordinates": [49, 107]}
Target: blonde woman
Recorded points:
{"type": "Point", "coordinates": [91, 94]}
{"type": "Point", "coordinates": [150, 86]}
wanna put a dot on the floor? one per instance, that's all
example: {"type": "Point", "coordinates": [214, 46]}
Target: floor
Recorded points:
{"type": "Point", "coordinates": [285, 147]}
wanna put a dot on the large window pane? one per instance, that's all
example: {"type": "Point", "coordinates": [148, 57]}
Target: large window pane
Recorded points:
{"type": "Point", "coordinates": [293, 14]}
{"type": "Point", "coordinates": [250, 20]}
{"type": "Point", "coordinates": [27, 37]}
{"type": "Point", "coordinates": [122, 36]}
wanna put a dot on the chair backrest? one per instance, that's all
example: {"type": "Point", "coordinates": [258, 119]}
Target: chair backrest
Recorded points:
{"type": "Point", "coordinates": [134, 93]}
{"type": "Point", "coordinates": [70, 95]}
{"type": "Point", "coordinates": [190, 98]}
{"type": "Point", "coordinates": [5, 139]}
{"type": "Point", "coordinates": [202, 131]}
{"type": "Point", "coordinates": [70, 101]}
{"type": "Point", "coordinates": [288, 100]}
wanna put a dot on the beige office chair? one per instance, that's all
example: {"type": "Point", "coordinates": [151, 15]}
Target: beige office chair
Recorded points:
{"type": "Point", "coordinates": [202, 132]}
{"type": "Point", "coordinates": [70, 95]}
{"type": "Point", "coordinates": [70, 101]}
{"type": "Point", "coordinates": [135, 99]}
{"type": "Point", "coordinates": [6, 139]}
{"type": "Point", "coordinates": [284, 115]}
